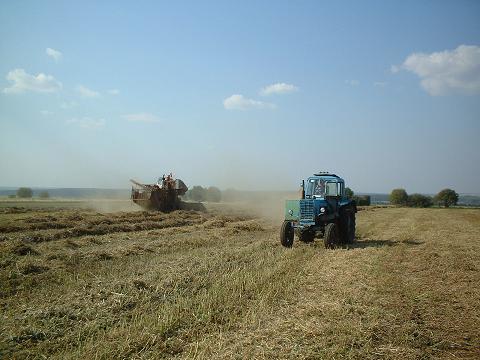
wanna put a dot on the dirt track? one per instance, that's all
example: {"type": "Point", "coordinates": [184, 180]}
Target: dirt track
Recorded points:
{"type": "Point", "coordinates": [77, 283]}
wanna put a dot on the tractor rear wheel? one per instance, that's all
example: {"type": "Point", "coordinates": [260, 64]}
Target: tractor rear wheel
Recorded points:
{"type": "Point", "coordinates": [306, 236]}
{"type": "Point", "coordinates": [286, 234]}
{"type": "Point", "coordinates": [347, 227]}
{"type": "Point", "coordinates": [331, 236]}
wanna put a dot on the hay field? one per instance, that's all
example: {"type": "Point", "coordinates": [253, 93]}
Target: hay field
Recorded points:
{"type": "Point", "coordinates": [76, 283]}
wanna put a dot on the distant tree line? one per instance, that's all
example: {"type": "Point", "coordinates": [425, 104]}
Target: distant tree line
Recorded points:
{"type": "Point", "coordinates": [399, 197]}
{"type": "Point", "coordinates": [199, 193]}
{"type": "Point", "coordinates": [360, 200]}
{"type": "Point", "coordinates": [26, 192]}
{"type": "Point", "coordinates": [445, 198]}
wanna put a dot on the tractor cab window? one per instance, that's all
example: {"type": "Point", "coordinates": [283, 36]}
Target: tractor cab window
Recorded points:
{"type": "Point", "coordinates": [316, 187]}
{"type": "Point", "coordinates": [321, 188]}
{"type": "Point", "coordinates": [332, 189]}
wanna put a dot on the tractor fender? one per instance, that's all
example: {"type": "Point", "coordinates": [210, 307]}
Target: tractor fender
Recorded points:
{"type": "Point", "coordinates": [353, 204]}
{"type": "Point", "coordinates": [349, 207]}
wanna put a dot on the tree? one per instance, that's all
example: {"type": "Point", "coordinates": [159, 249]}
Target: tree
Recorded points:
{"type": "Point", "coordinates": [44, 195]}
{"type": "Point", "coordinates": [24, 192]}
{"type": "Point", "coordinates": [447, 198]}
{"type": "Point", "coordinates": [214, 194]}
{"type": "Point", "coordinates": [197, 193]}
{"type": "Point", "coordinates": [349, 193]}
{"type": "Point", "coordinates": [419, 200]}
{"type": "Point", "coordinates": [362, 200]}
{"type": "Point", "coordinates": [398, 197]}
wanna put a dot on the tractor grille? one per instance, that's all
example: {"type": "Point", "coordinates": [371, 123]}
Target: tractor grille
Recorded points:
{"type": "Point", "coordinates": [306, 210]}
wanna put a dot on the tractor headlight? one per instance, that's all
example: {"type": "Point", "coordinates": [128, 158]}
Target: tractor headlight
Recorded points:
{"type": "Point", "coordinates": [322, 210]}
{"type": "Point", "coordinates": [290, 212]}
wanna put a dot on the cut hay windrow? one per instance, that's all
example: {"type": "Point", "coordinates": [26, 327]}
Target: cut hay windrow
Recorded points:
{"type": "Point", "coordinates": [95, 224]}
{"type": "Point", "coordinates": [73, 222]}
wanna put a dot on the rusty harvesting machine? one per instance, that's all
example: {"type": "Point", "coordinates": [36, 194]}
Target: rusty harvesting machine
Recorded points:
{"type": "Point", "coordinates": [162, 196]}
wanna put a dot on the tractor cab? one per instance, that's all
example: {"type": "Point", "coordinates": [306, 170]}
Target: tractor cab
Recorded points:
{"type": "Point", "coordinates": [322, 186]}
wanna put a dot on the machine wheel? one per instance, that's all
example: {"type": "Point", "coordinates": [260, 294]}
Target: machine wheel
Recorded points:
{"type": "Point", "coordinates": [347, 228]}
{"type": "Point", "coordinates": [286, 234]}
{"type": "Point", "coordinates": [331, 236]}
{"type": "Point", "coordinates": [306, 236]}
{"type": "Point", "coordinates": [351, 237]}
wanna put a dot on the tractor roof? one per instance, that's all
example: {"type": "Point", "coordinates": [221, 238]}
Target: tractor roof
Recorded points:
{"type": "Point", "coordinates": [325, 173]}
{"type": "Point", "coordinates": [332, 177]}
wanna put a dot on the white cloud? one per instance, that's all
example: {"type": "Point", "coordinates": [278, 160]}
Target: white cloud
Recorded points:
{"type": "Point", "coordinates": [22, 82]}
{"type": "Point", "coordinates": [448, 71]}
{"type": "Point", "coordinates": [55, 54]}
{"type": "Point", "coordinates": [352, 82]}
{"type": "Point", "coordinates": [46, 112]}
{"type": "Point", "coordinates": [240, 102]}
{"type": "Point", "coordinates": [113, 91]}
{"type": "Point", "coordinates": [86, 92]}
{"type": "Point", "coordinates": [278, 88]}
{"type": "Point", "coordinates": [379, 84]}
{"type": "Point", "coordinates": [142, 117]}
{"type": "Point", "coordinates": [87, 123]}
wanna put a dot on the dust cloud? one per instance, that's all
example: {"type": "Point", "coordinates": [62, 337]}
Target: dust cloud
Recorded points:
{"type": "Point", "coordinates": [269, 205]}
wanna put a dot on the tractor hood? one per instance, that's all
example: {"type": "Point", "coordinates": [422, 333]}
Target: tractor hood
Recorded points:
{"type": "Point", "coordinates": [304, 210]}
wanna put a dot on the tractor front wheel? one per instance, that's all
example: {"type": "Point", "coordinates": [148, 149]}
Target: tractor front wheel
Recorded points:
{"type": "Point", "coordinates": [331, 236]}
{"type": "Point", "coordinates": [286, 234]}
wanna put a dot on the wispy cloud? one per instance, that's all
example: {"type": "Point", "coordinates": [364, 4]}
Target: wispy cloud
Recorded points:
{"type": "Point", "coordinates": [68, 104]}
{"type": "Point", "coordinates": [379, 84]}
{"type": "Point", "coordinates": [352, 82]}
{"type": "Point", "coordinates": [278, 88]}
{"type": "Point", "coordinates": [240, 102]}
{"type": "Point", "coordinates": [90, 93]}
{"type": "Point", "coordinates": [46, 112]}
{"type": "Point", "coordinates": [86, 92]}
{"type": "Point", "coordinates": [142, 117]}
{"type": "Point", "coordinates": [445, 72]}
{"type": "Point", "coordinates": [54, 54]}
{"type": "Point", "coordinates": [87, 123]}
{"type": "Point", "coordinates": [22, 82]}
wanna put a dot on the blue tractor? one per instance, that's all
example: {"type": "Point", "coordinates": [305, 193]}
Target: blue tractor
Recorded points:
{"type": "Point", "coordinates": [323, 210]}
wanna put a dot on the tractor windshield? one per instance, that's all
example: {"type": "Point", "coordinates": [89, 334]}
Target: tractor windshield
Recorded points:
{"type": "Point", "coordinates": [315, 187]}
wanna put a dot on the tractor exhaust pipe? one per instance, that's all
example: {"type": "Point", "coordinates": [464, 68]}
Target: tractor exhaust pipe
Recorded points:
{"type": "Point", "coordinates": [303, 189]}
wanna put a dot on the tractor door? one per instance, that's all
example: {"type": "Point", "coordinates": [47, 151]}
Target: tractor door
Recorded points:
{"type": "Point", "coordinates": [332, 195]}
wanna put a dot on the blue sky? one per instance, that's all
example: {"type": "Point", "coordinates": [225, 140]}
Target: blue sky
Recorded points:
{"type": "Point", "coordinates": [244, 94]}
